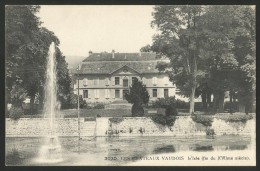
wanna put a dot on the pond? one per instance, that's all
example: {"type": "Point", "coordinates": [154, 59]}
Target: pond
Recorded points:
{"type": "Point", "coordinates": [116, 151]}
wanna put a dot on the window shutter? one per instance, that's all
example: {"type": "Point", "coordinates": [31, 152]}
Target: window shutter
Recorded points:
{"type": "Point", "coordinates": [120, 94]}
{"type": "Point", "coordinates": [112, 93]}
{"type": "Point", "coordinates": [96, 93]}
{"type": "Point", "coordinates": [107, 81]}
{"type": "Point", "coordinates": [107, 93]}
{"type": "Point", "coordinates": [113, 80]}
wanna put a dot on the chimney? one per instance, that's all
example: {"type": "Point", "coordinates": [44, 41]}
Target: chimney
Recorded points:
{"type": "Point", "coordinates": [90, 53]}
{"type": "Point", "coordinates": [113, 53]}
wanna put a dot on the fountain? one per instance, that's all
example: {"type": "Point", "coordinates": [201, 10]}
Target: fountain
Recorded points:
{"type": "Point", "coordinates": [51, 150]}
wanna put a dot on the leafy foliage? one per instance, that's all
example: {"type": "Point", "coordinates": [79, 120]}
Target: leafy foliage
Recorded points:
{"type": "Point", "coordinates": [208, 45]}
{"type": "Point", "coordinates": [137, 110]}
{"type": "Point", "coordinates": [116, 120]}
{"type": "Point", "coordinates": [27, 45]}
{"type": "Point", "coordinates": [164, 120]}
{"type": "Point", "coordinates": [16, 112]}
{"type": "Point", "coordinates": [137, 95]}
{"type": "Point", "coordinates": [146, 48]}
{"type": "Point", "coordinates": [204, 120]}
{"type": "Point", "coordinates": [74, 101]}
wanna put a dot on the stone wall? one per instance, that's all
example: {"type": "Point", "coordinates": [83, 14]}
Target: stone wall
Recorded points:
{"type": "Point", "coordinates": [129, 126]}
{"type": "Point", "coordinates": [183, 126]}
{"type": "Point", "coordinates": [37, 127]}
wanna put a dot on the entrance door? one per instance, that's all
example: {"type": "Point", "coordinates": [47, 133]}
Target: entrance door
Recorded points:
{"type": "Point", "coordinates": [124, 92]}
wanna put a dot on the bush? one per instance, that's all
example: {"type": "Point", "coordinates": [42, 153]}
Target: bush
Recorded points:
{"type": "Point", "coordinates": [164, 120]}
{"type": "Point", "coordinates": [164, 102]}
{"type": "Point", "coordinates": [116, 120]}
{"type": "Point", "coordinates": [237, 118]}
{"type": "Point", "coordinates": [16, 113]}
{"type": "Point", "coordinates": [204, 120]}
{"type": "Point", "coordinates": [171, 110]}
{"type": "Point", "coordinates": [168, 103]}
{"type": "Point", "coordinates": [137, 110]}
{"type": "Point", "coordinates": [182, 104]}
{"type": "Point", "coordinates": [99, 106]}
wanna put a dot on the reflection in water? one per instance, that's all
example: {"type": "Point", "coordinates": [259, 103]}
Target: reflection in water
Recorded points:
{"type": "Point", "coordinates": [237, 147]}
{"type": "Point", "coordinates": [23, 151]}
{"type": "Point", "coordinates": [203, 148]}
{"type": "Point", "coordinates": [13, 157]}
{"type": "Point", "coordinates": [164, 149]}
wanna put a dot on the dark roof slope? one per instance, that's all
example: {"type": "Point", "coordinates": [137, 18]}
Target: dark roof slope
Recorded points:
{"type": "Point", "coordinates": [144, 56]}
{"type": "Point", "coordinates": [109, 67]}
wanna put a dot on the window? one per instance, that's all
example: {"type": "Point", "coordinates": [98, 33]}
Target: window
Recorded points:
{"type": "Point", "coordinates": [117, 81]}
{"type": "Point", "coordinates": [85, 82]}
{"type": "Point", "coordinates": [96, 94]}
{"type": "Point", "coordinates": [134, 79]}
{"type": "Point", "coordinates": [85, 93]}
{"type": "Point", "coordinates": [125, 82]}
{"type": "Point", "coordinates": [117, 94]}
{"type": "Point", "coordinates": [107, 93]}
{"type": "Point", "coordinates": [154, 92]}
{"type": "Point", "coordinates": [166, 93]}
{"type": "Point", "coordinates": [154, 80]}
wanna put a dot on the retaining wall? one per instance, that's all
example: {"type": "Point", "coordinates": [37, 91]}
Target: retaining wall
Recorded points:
{"type": "Point", "coordinates": [129, 126]}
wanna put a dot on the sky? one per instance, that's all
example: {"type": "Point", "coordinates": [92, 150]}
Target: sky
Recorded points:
{"type": "Point", "coordinates": [99, 28]}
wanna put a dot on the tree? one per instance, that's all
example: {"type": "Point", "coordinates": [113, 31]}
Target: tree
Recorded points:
{"type": "Point", "coordinates": [27, 45]}
{"type": "Point", "coordinates": [229, 36]}
{"type": "Point", "coordinates": [64, 80]}
{"type": "Point", "coordinates": [138, 96]}
{"type": "Point", "coordinates": [146, 48]}
{"type": "Point", "coordinates": [210, 48]}
{"type": "Point", "coordinates": [179, 40]}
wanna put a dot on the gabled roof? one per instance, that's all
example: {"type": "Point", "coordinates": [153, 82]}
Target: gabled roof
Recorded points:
{"type": "Point", "coordinates": [143, 56]}
{"type": "Point", "coordinates": [125, 67]}
{"type": "Point", "coordinates": [109, 67]}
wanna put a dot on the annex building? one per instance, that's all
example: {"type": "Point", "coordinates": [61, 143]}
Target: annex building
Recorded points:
{"type": "Point", "coordinates": [106, 77]}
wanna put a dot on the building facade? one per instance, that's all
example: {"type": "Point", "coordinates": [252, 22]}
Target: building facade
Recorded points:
{"type": "Point", "coordinates": [106, 77]}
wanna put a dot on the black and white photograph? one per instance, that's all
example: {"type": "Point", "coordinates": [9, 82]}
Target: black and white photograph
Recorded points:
{"type": "Point", "coordinates": [130, 85]}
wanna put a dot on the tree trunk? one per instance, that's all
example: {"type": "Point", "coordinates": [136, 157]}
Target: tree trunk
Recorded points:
{"type": "Point", "coordinates": [192, 102]}
{"type": "Point", "coordinates": [221, 102]}
{"type": "Point", "coordinates": [208, 100]}
{"type": "Point", "coordinates": [204, 101]}
{"type": "Point", "coordinates": [32, 104]}
{"type": "Point", "coordinates": [241, 107]}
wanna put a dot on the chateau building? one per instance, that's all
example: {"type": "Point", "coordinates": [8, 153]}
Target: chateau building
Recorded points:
{"type": "Point", "coordinates": [106, 77]}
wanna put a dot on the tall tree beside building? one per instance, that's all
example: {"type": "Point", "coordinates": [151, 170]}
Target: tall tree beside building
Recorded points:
{"type": "Point", "coordinates": [27, 45]}
{"type": "Point", "coordinates": [180, 41]}
{"type": "Point", "coordinates": [208, 45]}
